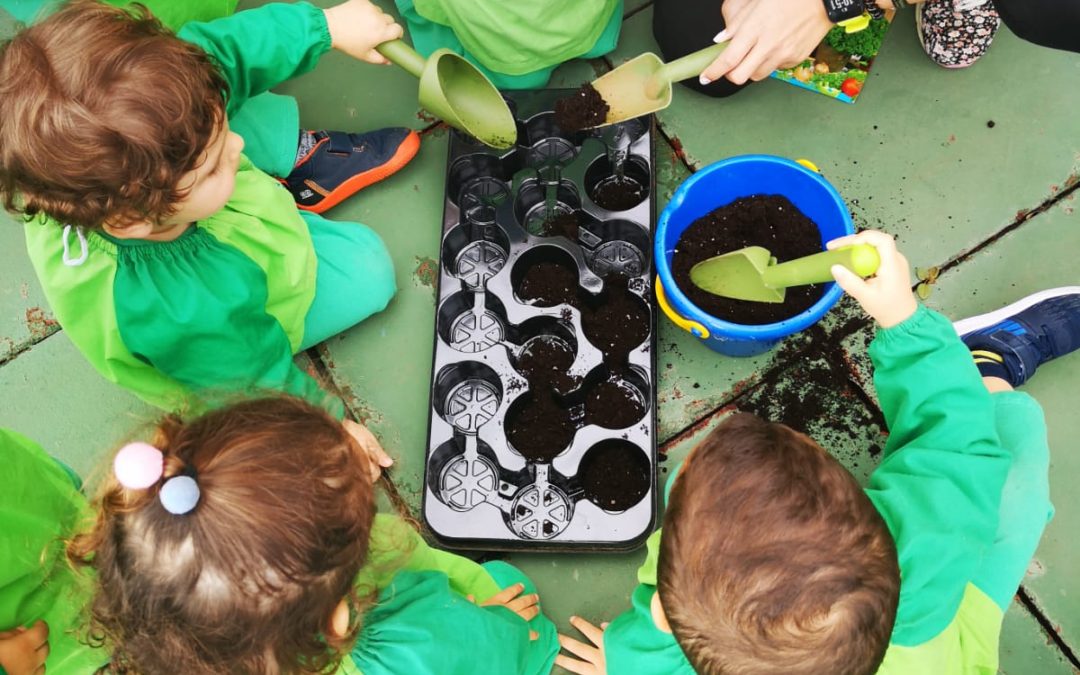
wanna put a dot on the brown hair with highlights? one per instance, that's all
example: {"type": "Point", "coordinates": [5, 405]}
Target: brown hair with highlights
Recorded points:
{"type": "Point", "coordinates": [774, 560]}
{"type": "Point", "coordinates": [248, 580]}
{"type": "Point", "coordinates": [102, 112]}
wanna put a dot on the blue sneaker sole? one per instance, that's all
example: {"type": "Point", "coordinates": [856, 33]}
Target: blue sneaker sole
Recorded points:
{"type": "Point", "coordinates": [975, 323]}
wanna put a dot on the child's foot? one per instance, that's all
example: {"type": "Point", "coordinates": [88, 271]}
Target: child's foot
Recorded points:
{"type": "Point", "coordinates": [1013, 341]}
{"type": "Point", "coordinates": [334, 165]}
{"type": "Point", "coordinates": [955, 33]}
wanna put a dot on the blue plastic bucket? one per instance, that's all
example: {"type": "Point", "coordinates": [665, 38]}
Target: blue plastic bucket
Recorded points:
{"type": "Point", "coordinates": [722, 183]}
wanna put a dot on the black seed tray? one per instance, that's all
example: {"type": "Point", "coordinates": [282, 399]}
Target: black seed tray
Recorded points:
{"type": "Point", "coordinates": [542, 432]}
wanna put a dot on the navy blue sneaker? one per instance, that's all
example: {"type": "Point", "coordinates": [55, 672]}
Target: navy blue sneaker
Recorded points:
{"type": "Point", "coordinates": [334, 165]}
{"type": "Point", "coordinates": [1013, 341]}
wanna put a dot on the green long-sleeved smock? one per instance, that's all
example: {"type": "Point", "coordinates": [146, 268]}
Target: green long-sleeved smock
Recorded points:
{"type": "Point", "coordinates": [938, 487]}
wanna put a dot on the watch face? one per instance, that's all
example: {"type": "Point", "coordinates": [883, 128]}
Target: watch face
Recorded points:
{"type": "Point", "coordinates": [842, 10]}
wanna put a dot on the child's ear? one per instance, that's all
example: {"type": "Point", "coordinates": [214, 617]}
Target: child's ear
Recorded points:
{"type": "Point", "coordinates": [339, 620]}
{"type": "Point", "coordinates": [658, 616]}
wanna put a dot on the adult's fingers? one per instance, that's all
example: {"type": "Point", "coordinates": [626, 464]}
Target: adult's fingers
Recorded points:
{"type": "Point", "coordinates": [754, 61]}
{"type": "Point", "coordinates": [731, 58]}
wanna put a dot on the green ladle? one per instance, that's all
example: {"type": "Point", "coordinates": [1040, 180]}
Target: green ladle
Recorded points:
{"type": "Point", "coordinates": [454, 90]}
{"type": "Point", "coordinates": [642, 85]}
{"type": "Point", "coordinates": [752, 273]}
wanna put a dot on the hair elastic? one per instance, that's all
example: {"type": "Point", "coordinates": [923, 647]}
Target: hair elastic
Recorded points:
{"type": "Point", "coordinates": [140, 465]}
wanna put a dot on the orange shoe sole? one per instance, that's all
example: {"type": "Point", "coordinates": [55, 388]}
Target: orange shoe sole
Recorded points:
{"type": "Point", "coordinates": [405, 152]}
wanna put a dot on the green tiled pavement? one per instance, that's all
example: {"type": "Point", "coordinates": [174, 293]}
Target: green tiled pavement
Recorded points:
{"type": "Point", "coordinates": [915, 156]}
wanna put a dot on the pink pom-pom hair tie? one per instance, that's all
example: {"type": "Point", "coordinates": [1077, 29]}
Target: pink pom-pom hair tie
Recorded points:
{"type": "Point", "coordinates": [140, 465]}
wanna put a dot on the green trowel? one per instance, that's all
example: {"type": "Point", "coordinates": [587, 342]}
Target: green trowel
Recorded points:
{"type": "Point", "coordinates": [752, 273]}
{"type": "Point", "coordinates": [453, 90]}
{"type": "Point", "coordinates": [642, 85]}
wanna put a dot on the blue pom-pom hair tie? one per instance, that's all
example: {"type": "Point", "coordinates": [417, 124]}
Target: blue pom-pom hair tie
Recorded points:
{"type": "Point", "coordinates": [139, 466]}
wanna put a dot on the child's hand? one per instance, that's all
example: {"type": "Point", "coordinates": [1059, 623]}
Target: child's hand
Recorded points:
{"type": "Point", "coordinates": [357, 27]}
{"type": "Point", "coordinates": [592, 654]}
{"type": "Point", "coordinates": [371, 446]}
{"type": "Point", "coordinates": [23, 650]}
{"type": "Point", "coordinates": [887, 295]}
{"type": "Point", "coordinates": [525, 606]}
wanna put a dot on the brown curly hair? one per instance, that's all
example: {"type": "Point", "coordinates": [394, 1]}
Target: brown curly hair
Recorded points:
{"type": "Point", "coordinates": [248, 580]}
{"type": "Point", "coordinates": [102, 112]}
{"type": "Point", "coordinates": [773, 559]}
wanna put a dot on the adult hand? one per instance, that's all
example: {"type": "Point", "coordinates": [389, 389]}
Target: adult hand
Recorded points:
{"type": "Point", "coordinates": [887, 295]}
{"type": "Point", "coordinates": [371, 447]}
{"type": "Point", "coordinates": [590, 655]}
{"type": "Point", "coordinates": [357, 27]}
{"type": "Point", "coordinates": [525, 606]}
{"type": "Point", "coordinates": [764, 35]}
{"type": "Point", "coordinates": [23, 650]}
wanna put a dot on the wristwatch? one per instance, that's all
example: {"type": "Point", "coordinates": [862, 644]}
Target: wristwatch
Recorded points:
{"type": "Point", "coordinates": [851, 14]}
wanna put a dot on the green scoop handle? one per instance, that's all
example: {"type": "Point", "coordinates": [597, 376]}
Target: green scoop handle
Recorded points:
{"type": "Point", "coordinates": [862, 259]}
{"type": "Point", "coordinates": [688, 66]}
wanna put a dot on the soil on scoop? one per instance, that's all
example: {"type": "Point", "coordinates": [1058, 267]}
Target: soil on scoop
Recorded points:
{"type": "Point", "coordinates": [583, 109]}
{"type": "Point", "coordinates": [618, 322]}
{"type": "Point", "coordinates": [562, 224]}
{"type": "Point", "coordinates": [613, 477]}
{"type": "Point", "coordinates": [613, 404]}
{"type": "Point", "coordinates": [544, 362]}
{"type": "Point", "coordinates": [540, 428]}
{"type": "Point", "coordinates": [618, 194]}
{"type": "Point", "coordinates": [771, 221]}
{"type": "Point", "coordinates": [547, 284]}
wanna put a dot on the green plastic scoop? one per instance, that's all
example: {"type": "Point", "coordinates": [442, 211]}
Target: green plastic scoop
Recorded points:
{"type": "Point", "coordinates": [453, 90]}
{"type": "Point", "coordinates": [642, 85]}
{"type": "Point", "coordinates": [752, 273]}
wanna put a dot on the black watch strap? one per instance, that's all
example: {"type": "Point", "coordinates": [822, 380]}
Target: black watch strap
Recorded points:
{"type": "Point", "coordinates": [842, 10]}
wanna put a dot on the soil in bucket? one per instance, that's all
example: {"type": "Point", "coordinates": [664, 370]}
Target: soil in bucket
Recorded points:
{"type": "Point", "coordinates": [614, 477]}
{"type": "Point", "coordinates": [771, 221]}
{"type": "Point", "coordinates": [540, 428]}
{"type": "Point", "coordinates": [583, 109]}
{"type": "Point", "coordinates": [618, 323]}
{"type": "Point", "coordinates": [613, 404]}
{"type": "Point", "coordinates": [547, 284]}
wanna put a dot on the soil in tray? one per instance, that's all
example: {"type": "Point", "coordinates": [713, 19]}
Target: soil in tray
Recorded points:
{"type": "Point", "coordinates": [547, 284]}
{"type": "Point", "coordinates": [612, 479]}
{"type": "Point", "coordinates": [562, 224]}
{"type": "Point", "coordinates": [544, 362]}
{"type": "Point", "coordinates": [771, 221]}
{"type": "Point", "coordinates": [618, 323]}
{"type": "Point", "coordinates": [618, 194]}
{"type": "Point", "coordinates": [541, 428]}
{"type": "Point", "coordinates": [613, 404]}
{"type": "Point", "coordinates": [583, 109]}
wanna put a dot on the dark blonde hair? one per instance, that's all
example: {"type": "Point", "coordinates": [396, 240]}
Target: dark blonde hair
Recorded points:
{"type": "Point", "coordinates": [248, 580]}
{"type": "Point", "coordinates": [102, 111]}
{"type": "Point", "coordinates": [774, 560]}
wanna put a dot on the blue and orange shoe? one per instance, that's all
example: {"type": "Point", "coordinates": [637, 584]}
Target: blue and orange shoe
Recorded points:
{"type": "Point", "coordinates": [334, 165]}
{"type": "Point", "coordinates": [1013, 341]}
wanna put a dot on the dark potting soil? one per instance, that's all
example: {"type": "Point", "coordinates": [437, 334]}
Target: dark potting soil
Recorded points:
{"type": "Point", "coordinates": [539, 428]}
{"type": "Point", "coordinates": [547, 284]}
{"type": "Point", "coordinates": [618, 322]}
{"type": "Point", "coordinates": [613, 404]}
{"type": "Point", "coordinates": [612, 479]}
{"type": "Point", "coordinates": [544, 362]}
{"type": "Point", "coordinates": [771, 221]}
{"type": "Point", "coordinates": [619, 194]}
{"type": "Point", "coordinates": [562, 224]}
{"type": "Point", "coordinates": [583, 109]}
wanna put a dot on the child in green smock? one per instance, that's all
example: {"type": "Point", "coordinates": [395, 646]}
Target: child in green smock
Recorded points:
{"type": "Point", "coordinates": [173, 260]}
{"type": "Point", "coordinates": [40, 506]}
{"type": "Point", "coordinates": [773, 559]}
{"type": "Point", "coordinates": [516, 44]}
{"type": "Point", "coordinates": [246, 541]}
